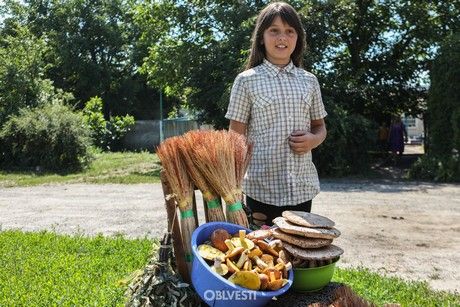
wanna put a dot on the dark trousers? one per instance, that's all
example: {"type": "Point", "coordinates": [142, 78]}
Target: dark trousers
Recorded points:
{"type": "Point", "coordinates": [274, 211]}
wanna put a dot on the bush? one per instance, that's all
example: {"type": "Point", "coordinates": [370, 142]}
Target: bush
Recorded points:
{"type": "Point", "coordinates": [441, 162]}
{"type": "Point", "coordinates": [51, 137]}
{"type": "Point", "coordinates": [349, 138]}
{"type": "Point", "coordinates": [445, 169]}
{"type": "Point", "coordinates": [106, 135]}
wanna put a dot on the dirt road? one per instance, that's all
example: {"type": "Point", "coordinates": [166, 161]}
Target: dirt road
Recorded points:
{"type": "Point", "coordinates": [401, 229]}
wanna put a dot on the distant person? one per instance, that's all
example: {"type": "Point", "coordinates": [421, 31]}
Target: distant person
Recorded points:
{"type": "Point", "coordinates": [396, 138]}
{"type": "Point", "coordinates": [382, 138]}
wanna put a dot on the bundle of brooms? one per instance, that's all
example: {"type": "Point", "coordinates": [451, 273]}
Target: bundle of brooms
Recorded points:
{"type": "Point", "coordinates": [222, 158]}
{"type": "Point", "coordinates": [182, 190]}
{"type": "Point", "coordinates": [212, 199]}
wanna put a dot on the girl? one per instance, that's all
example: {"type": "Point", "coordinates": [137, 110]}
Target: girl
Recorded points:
{"type": "Point", "coordinates": [278, 106]}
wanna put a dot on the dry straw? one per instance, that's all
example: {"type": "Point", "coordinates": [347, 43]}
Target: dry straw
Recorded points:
{"type": "Point", "coordinates": [215, 158]}
{"type": "Point", "coordinates": [243, 154]}
{"type": "Point", "coordinates": [182, 189]}
{"type": "Point", "coordinates": [191, 140]}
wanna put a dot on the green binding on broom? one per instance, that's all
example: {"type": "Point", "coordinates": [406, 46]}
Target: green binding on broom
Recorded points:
{"type": "Point", "coordinates": [213, 204]}
{"type": "Point", "coordinates": [188, 257]}
{"type": "Point", "coordinates": [186, 214]}
{"type": "Point", "coordinates": [235, 207]}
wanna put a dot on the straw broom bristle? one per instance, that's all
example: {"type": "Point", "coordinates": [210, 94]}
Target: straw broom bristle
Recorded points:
{"type": "Point", "coordinates": [182, 188]}
{"type": "Point", "coordinates": [243, 152]}
{"type": "Point", "coordinates": [215, 158]}
{"type": "Point", "coordinates": [175, 171]}
{"type": "Point", "coordinates": [190, 140]}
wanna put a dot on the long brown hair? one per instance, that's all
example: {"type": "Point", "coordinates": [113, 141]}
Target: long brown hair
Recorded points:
{"type": "Point", "coordinates": [288, 15]}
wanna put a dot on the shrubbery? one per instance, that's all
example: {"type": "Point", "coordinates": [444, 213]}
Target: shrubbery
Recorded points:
{"type": "Point", "coordinates": [446, 169]}
{"type": "Point", "coordinates": [106, 135]}
{"type": "Point", "coordinates": [51, 137]}
{"type": "Point", "coordinates": [441, 162]}
{"type": "Point", "coordinates": [349, 138]}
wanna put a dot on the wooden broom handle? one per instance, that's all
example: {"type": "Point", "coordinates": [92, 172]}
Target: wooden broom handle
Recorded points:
{"type": "Point", "coordinates": [175, 228]}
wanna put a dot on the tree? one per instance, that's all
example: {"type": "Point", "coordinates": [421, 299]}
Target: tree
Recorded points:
{"type": "Point", "coordinates": [444, 100]}
{"type": "Point", "coordinates": [442, 161]}
{"type": "Point", "coordinates": [201, 54]}
{"type": "Point", "coordinates": [92, 51]}
{"type": "Point", "coordinates": [371, 57]}
{"type": "Point", "coordinates": [21, 70]}
{"type": "Point", "coordinates": [374, 56]}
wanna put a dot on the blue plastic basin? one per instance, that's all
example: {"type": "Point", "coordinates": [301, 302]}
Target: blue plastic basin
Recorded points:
{"type": "Point", "coordinates": [215, 290]}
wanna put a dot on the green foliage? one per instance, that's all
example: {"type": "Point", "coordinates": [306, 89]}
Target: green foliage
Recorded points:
{"type": "Point", "coordinates": [349, 137]}
{"type": "Point", "coordinates": [369, 55]}
{"type": "Point", "coordinates": [93, 49]}
{"type": "Point", "coordinates": [92, 113]}
{"type": "Point", "coordinates": [443, 117]}
{"type": "Point", "coordinates": [106, 135]}
{"type": "Point", "coordinates": [200, 55]}
{"type": "Point", "coordinates": [372, 55]}
{"type": "Point", "coordinates": [444, 169]}
{"type": "Point", "coordinates": [51, 137]}
{"type": "Point", "coordinates": [107, 167]}
{"type": "Point", "coordinates": [382, 290]}
{"type": "Point", "coordinates": [21, 71]}
{"type": "Point", "coordinates": [45, 269]}
{"type": "Point", "coordinates": [444, 97]}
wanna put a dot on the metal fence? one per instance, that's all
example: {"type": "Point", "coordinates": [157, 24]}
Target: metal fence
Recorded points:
{"type": "Point", "coordinates": [146, 133]}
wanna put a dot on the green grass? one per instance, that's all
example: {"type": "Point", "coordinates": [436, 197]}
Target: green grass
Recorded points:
{"type": "Point", "coordinates": [383, 290]}
{"type": "Point", "coordinates": [126, 167]}
{"type": "Point", "coordinates": [45, 269]}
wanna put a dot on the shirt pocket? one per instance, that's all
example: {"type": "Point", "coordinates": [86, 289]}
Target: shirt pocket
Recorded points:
{"type": "Point", "coordinates": [298, 111]}
{"type": "Point", "coordinates": [307, 100]}
{"type": "Point", "coordinates": [264, 114]}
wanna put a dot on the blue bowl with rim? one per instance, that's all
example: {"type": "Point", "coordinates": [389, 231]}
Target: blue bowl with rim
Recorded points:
{"type": "Point", "coordinates": [214, 289]}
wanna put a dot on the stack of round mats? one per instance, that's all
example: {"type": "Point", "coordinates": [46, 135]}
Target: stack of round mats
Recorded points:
{"type": "Point", "coordinates": [307, 238]}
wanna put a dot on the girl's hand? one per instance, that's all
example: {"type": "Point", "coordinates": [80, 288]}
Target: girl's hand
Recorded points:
{"type": "Point", "coordinates": [302, 141]}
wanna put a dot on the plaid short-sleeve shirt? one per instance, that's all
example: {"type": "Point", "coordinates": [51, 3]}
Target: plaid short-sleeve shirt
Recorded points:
{"type": "Point", "coordinates": [274, 102]}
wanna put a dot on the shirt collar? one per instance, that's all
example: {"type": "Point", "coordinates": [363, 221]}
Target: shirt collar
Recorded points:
{"type": "Point", "coordinates": [274, 70]}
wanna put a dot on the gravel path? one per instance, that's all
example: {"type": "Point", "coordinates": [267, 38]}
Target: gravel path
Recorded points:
{"type": "Point", "coordinates": [401, 229]}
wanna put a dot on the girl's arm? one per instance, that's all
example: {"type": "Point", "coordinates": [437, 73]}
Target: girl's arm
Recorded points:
{"type": "Point", "coordinates": [238, 127]}
{"type": "Point", "coordinates": [302, 141]}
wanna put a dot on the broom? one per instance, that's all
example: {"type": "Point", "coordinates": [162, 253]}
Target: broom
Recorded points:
{"type": "Point", "coordinates": [215, 158]}
{"type": "Point", "coordinates": [243, 154]}
{"type": "Point", "coordinates": [213, 206]}
{"type": "Point", "coordinates": [182, 188]}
